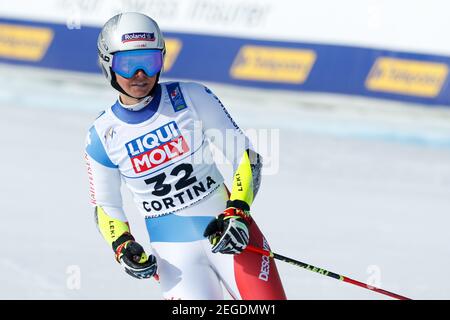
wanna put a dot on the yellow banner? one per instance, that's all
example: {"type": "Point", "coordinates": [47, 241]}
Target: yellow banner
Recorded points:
{"type": "Point", "coordinates": [24, 42]}
{"type": "Point", "coordinates": [273, 64]}
{"type": "Point", "coordinates": [409, 77]}
{"type": "Point", "coordinates": [173, 47]}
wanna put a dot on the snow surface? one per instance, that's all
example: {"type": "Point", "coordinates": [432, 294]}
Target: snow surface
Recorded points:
{"type": "Point", "coordinates": [362, 189]}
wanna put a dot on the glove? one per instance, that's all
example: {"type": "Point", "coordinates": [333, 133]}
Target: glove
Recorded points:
{"type": "Point", "coordinates": [228, 233]}
{"type": "Point", "coordinates": [133, 258]}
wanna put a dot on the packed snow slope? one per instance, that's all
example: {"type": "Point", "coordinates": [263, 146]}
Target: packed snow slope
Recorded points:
{"type": "Point", "coordinates": [355, 186]}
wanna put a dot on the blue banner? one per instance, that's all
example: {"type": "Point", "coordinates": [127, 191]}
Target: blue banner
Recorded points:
{"type": "Point", "coordinates": [402, 76]}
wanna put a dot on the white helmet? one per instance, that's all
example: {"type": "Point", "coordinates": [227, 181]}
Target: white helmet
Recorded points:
{"type": "Point", "coordinates": [126, 32]}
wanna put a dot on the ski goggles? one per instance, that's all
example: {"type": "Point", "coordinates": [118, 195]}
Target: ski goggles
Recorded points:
{"type": "Point", "coordinates": [126, 63]}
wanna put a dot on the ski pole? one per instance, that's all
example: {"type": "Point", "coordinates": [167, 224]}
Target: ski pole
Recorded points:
{"type": "Point", "coordinates": [323, 272]}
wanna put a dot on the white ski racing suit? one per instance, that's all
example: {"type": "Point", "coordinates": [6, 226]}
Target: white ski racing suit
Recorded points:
{"type": "Point", "coordinates": [162, 154]}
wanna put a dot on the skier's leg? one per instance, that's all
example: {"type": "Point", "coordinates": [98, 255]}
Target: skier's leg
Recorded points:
{"type": "Point", "coordinates": [248, 276]}
{"type": "Point", "coordinates": [184, 273]}
{"type": "Point", "coordinates": [189, 270]}
{"type": "Point", "coordinates": [179, 246]}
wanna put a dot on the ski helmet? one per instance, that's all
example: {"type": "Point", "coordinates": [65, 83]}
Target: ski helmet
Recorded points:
{"type": "Point", "coordinates": [128, 31]}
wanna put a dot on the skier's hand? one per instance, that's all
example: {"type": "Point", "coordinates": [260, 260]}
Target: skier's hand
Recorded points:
{"type": "Point", "coordinates": [229, 233]}
{"type": "Point", "coordinates": [133, 258]}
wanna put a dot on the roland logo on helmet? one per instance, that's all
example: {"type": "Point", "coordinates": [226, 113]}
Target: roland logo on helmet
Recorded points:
{"type": "Point", "coordinates": [138, 36]}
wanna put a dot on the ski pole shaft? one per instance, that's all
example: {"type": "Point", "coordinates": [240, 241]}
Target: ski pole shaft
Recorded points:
{"type": "Point", "coordinates": [323, 272]}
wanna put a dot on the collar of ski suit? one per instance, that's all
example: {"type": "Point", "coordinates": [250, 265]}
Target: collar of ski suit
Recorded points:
{"type": "Point", "coordinates": [139, 112]}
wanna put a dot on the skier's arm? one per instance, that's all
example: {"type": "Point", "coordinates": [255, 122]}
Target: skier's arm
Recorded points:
{"type": "Point", "coordinates": [229, 232]}
{"type": "Point", "coordinates": [104, 188]}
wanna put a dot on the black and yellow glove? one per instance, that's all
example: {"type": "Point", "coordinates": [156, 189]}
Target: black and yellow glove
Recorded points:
{"type": "Point", "coordinates": [133, 258]}
{"type": "Point", "coordinates": [229, 232]}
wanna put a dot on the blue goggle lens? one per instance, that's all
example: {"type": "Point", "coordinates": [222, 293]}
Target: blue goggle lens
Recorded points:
{"type": "Point", "coordinates": [127, 63]}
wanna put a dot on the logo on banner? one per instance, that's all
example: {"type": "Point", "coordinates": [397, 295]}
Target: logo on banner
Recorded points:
{"type": "Point", "coordinates": [156, 147]}
{"type": "Point", "coordinates": [138, 36]}
{"type": "Point", "coordinates": [273, 64]}
{"type": "Point", "coordinates": [409, 77]}
{"type": "Point", "coordinates": [23, 42]}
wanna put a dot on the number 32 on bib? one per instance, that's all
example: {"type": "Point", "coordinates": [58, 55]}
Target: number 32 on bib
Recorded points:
{"type": "Point", "coordinates": [188, 185]}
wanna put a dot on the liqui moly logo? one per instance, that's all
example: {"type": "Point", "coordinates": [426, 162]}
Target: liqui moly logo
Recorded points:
{"type": "Point", "coordinates": [138, 36]}
{"type": "Point", "coordinates": [156, 147]}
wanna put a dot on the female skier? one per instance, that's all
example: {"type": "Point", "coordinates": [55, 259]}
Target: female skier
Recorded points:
{"type": "Point", "coordinates": [156, 138]}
